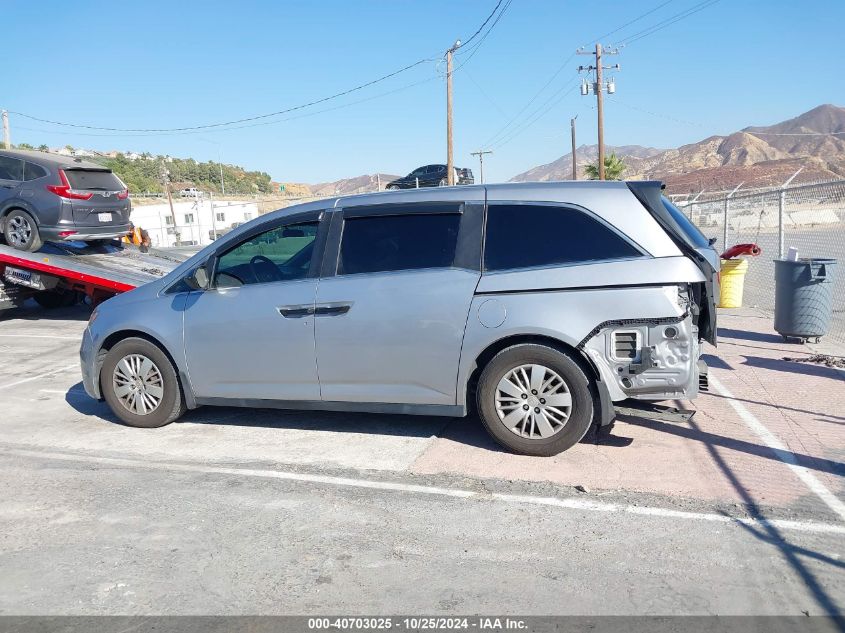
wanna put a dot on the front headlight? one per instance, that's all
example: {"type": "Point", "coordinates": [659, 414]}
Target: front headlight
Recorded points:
{"type": "Point", "coordinates": [93, 316]}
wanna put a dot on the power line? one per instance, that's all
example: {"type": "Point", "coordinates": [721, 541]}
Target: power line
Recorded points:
{"type": "Point", "coordinates": [539, 113]}
{"type": "Point", "coordinates": [483, 24]}
{"type": "Point", "coordinates": [227, 124]}
{"type": "Point", "coordinates": [239, 127]}
{"type": "Point", "coordinates": [656, 114]}
{"type": "Point", "coordinates": [659, 26]}
{"type": "Point", "coordinates": [235, 121]}
{"type": "Point", "coordinates": [627, 24]}
{"type": "Point", "coordinates": [503, 131]}
{"type": "Point", "coordinates": [483, 37]}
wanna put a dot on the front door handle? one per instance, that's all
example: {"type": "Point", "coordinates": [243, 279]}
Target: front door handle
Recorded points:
{"type": "Point", "coordinates": [332, 309]}
{"type": "Point", "coordinates": [296, 312]}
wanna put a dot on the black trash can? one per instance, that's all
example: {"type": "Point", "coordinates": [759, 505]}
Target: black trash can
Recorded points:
{"type": "Point", "coordinates": [803, 297]}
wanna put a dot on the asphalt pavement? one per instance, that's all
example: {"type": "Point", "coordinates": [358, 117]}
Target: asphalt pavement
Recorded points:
{"type": "Point", "coordinates": [235, 511]}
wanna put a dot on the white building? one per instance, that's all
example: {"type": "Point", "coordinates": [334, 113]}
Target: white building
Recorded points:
{"type": "Point", "coordinates": [191, 222]}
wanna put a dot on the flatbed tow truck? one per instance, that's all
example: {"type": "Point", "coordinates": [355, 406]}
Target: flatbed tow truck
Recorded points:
{"type": "Point", "coordinates": [64, 274]}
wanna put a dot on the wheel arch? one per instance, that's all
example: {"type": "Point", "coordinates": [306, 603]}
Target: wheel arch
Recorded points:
{"type": "Point", "coordinates": [121, 335]}
{"type": "Point", "coordinates": [19, 205]}
{"type": "Point", "coordinates": [601, 397]}
{"type": "Point", "coordinates": [497, 346]}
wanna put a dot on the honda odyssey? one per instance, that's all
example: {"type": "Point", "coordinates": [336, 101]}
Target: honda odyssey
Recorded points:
{"type": "Point", "coordinates": [538, 305]}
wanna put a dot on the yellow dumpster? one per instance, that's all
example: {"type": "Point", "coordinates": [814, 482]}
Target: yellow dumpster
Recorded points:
{"type": "Point", "coordinates": [732, 281]}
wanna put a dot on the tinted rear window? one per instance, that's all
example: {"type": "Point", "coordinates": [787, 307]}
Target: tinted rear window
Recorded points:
{"type": "Point", "coordinates": [398, 242]}
{"type": "Point", "coordinates": [527, 235]}
{"type": "Point", "coordinates": [11, 168]}
{"type": "Point", "coordinates": [32, 171]}
{"type": "Point", "coordinates": [93, 179]}
{"type": "Point", "coordinates": [691, 231]}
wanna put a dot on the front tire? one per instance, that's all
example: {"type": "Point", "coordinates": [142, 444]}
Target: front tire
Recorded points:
{"type": "Point", "coordinates": [535, 400]}
{"type": "Point", "coordinates": [140, 384]}
{"type": "Point", "coordinates": [21, 231]}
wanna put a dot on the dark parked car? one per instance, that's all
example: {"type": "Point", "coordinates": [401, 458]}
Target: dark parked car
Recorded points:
{"type": "Point", "coordinates": [51, 197]}
{"type": "Point", "coordinates": [432, 176]}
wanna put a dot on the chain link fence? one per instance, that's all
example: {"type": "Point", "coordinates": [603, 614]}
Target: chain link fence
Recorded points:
{"type": "Point", "coordinates": [809, 218]}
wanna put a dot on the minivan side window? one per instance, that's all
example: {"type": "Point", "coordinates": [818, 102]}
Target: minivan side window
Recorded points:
{"type": "Point", "coordinates": [533, 235]}
{"type": "Point", "coordinates": [398, 242]}
{"type": "Point", "coordinates": [11, 168]}
{"type": "Point", "coordinates": [281, 254]}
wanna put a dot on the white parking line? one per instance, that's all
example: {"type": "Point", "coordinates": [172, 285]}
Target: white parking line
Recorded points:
{"type": "Point", "coordinates": [568, 503]}
{"type": "Point", "coordinates": [8, 385]}
{"type": "Point", "coordinates": [49, 336]}
{"type": "Point", "coordinates": [781, 451]}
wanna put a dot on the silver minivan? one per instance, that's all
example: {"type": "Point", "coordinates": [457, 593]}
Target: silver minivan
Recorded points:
{"type": "Point", "coordinates": [536, 305]}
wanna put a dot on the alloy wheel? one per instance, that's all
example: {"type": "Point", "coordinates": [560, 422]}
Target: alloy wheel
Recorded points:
{"type": "Point", "coordinates": [533, 401]}
{"type": "Point", "coordinates": [138, 384]}
{"type": "Point", "coordinates": [19, 231]}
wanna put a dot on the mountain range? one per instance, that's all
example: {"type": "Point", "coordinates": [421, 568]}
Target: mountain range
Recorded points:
{"type": "Point", "coordinates": [758, 156]}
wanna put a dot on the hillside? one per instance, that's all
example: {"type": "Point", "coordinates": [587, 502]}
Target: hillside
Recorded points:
{"type": "Point", "coordinates": [757, 156]}
{"type": "Point", "coordinates": [144, 174]}
{"type": "Point", "coordinates": [561, 169]}
{"type": "Point", "coordinates": [349, 186]}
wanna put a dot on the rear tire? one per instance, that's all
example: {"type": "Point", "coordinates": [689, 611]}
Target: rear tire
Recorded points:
{"type": "Point", "coordinates": [535, 400]}
{"type": "Point", "coordinates": [21, 231]}
{"type": "Point", "coordinates": [140, 384]}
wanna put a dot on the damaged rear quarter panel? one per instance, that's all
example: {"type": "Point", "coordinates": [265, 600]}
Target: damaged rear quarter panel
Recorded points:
{"type": "Point", "coordinates": [569, 315]}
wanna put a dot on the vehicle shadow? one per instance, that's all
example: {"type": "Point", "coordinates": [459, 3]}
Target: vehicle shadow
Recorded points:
{"type": "Point", "coordinates": [745, 335]}
{"type": "Point", "coordinates": [694, 432]}
{"type": "Point", "coordinates": [794, 367]}
{"type": "Point", "coordinates": [31, 311]}
{"type": "Point", "coordinates": [714, 361]}
{"type": "Point", "coordinates": [468, 430]}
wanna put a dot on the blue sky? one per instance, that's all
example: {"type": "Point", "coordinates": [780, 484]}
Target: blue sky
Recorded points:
{"type": "Point", "coordinates": [172, 64]}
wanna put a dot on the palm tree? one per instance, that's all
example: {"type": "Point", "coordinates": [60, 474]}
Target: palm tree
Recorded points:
{"type": "Point", "coordinates": [613, 168]}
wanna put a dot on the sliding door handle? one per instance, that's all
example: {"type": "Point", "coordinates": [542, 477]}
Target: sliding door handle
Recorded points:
{"type": "Point", "coordinates": [333, 309]}
{"type": "Point", "coordinates": [296, 312]}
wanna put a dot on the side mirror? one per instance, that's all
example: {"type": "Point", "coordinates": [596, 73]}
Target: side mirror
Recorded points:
{"type": "Point", "coordinates": [198, 280]}
{"type": "Point", "coordinates": [712, 240]}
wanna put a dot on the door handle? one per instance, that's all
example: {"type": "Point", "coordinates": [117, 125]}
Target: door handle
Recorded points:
{"type": "Point", "coordinates": [333, 309]}
{"type": "Point", "coordinates": [296, 312]}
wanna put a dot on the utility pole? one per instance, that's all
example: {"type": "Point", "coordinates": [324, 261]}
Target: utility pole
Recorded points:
{"type": "Point", "coordinates": [213, 218]}
{"type": "Point", "coordinates": [574, 164]}
{"type": "Point", "coordinates": [222, 184]}
{"type": "Point", "coordinates": [599, 88]}
{"type": "Point", "coordinates": [7, 141]}
{"type": "Point", "coordinates": [480, 153]}
{"type": "Point", "coordinates": [450, 163]}
{"type": "Point", "coordinates": [165, 177]}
